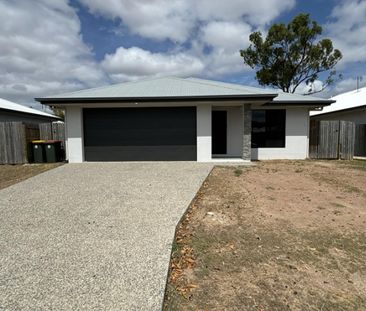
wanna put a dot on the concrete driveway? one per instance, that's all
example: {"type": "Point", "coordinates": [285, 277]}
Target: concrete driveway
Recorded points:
{"type": "Point", "coordinates": [92, 236]}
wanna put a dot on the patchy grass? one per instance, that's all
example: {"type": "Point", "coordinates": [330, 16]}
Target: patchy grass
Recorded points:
{"type": "Point", "coordinates": [238, 172]}
{"type": "Point", "coordinates": [338, 205]}
{"type": "Point", "coordinates": [355, 164]}
{"type": "Point", "coordinates": [12, 174]}
{"type": "Point", "coordinates": [273, 238]}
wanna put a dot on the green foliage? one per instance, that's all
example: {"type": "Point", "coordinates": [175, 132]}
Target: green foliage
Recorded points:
{"type": "Point", "coordinates": [238, 172]}
{"type": "Point", "coordinates": [59, 112]}
{"type": "Point", "coordinates": [290, 55]}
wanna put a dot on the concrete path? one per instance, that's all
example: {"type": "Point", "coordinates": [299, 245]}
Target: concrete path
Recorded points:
{"type": "Point", "coordinates": [92, 236]}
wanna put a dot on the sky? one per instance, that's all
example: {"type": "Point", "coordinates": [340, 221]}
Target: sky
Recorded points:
{"type": "Point", "coordinates": [48, 47]}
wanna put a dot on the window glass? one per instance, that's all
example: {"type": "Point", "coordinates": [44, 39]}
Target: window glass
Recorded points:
{"type": "Point", "coordinates": [269, 128]}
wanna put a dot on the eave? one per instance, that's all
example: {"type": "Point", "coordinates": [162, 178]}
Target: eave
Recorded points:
{"type": "Point", "coordinates": [96, 100]}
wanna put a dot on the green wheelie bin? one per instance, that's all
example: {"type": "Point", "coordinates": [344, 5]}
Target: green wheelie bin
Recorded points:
{"type": "Point", "coordinates": [53, 151]}
{"type": "Point", "coordinates": [38, 151]}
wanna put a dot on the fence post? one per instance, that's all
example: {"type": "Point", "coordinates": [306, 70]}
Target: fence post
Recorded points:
{"type": "Point", "coordinates": [339, 141]}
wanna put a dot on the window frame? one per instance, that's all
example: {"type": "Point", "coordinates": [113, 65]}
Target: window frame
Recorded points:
{"type": "Point", "coordinates": [260, 138]}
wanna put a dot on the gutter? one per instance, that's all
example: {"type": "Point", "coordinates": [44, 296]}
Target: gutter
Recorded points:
{"type": "Point", "coordinates": [300, 102]}
{"type": "Point", "coordinates": [321, 101]}
{"type": "Point", "coordinates": [79, 100]}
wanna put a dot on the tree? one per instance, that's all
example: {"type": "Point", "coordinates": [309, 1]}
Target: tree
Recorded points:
{"type": "Point", "coordinates": [58, 112]}
{"type": "Point", "coordinates": [290, 56]}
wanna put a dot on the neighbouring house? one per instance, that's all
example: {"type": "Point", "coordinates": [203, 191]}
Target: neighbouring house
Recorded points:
{"type": "Point", "coordinates": [172, 119]}
{"type": "Point", "coordinates": [350, 106]}
{"type": "Point", "coordinates": [13, 112]}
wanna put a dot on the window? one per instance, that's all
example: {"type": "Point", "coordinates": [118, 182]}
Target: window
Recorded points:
{"type": "Point", "coordinates": [268, 128]}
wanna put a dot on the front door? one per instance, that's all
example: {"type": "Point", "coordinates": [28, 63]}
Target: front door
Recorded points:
{"type": "Point", "coordinates": [219, 132]}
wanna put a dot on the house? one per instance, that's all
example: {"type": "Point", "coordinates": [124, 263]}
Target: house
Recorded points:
{"type": "Point", "coordinates": [350, 106]}
{"type": "Point", "coordinates": [172, 119]}
{"type": "Point", "coordinates": [12, 112]}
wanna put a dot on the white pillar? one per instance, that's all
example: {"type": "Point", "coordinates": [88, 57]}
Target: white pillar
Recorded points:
{"type": "Point", "coordinates": [204, 138]}
{"type": "Point", "coordinates": [74, 134]}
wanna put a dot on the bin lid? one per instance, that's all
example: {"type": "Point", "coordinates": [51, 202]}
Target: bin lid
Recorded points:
{"type": "Point", "coordinates": [38, 141]}
{"type": "Point", "coordinates": [52, 141]}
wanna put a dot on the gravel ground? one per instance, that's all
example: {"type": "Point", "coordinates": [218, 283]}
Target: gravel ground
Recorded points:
{"type": "Point", "coordinates": [92, 236]}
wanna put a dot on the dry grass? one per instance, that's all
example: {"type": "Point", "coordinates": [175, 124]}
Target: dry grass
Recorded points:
{"type": "Point", "coordinates": [278, 236]}
{"type": "Point", "coordinates": [12, 174]}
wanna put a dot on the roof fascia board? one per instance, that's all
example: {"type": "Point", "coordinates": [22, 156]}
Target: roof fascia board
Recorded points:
{"type": "Point", "coordinates": [301, 102]}
{"type": "Point", "coordinates": [50, 101]}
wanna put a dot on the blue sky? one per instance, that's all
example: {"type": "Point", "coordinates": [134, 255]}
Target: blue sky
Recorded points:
{"type": "Point", "coordinates": [49, 47]}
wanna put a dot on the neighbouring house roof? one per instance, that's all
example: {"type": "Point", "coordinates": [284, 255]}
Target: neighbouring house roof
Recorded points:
{"type": "Point", "coordinates": [345, 101]}
{"type": "Point", "coordinates": [281, 97]}
{"type": "Point", "coordinates": [11, 106]}
{"type": "Point", "coordinates": [169, 88]}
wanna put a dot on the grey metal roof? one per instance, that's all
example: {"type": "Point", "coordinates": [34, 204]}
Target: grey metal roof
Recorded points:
{"type": "Point", "coordinates": [8, 105]}
{"type": "Point", "coordinates": [345, 101]}
{"type": "Point", "coordinates": [173, 87]}
{"type": "Point", "coordinates": [281, 96]}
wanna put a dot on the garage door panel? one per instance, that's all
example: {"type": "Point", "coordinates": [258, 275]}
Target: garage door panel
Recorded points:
{"type": "Point", "coordinates": [140, 153]}
{"type": "Point", "coordinates": [144, 137]}
{"type": "Point", "coordinates": [140, 134]}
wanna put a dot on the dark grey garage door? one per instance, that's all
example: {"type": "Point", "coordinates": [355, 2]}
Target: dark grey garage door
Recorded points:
{"type": "Point", "coordinates": [140, 134]}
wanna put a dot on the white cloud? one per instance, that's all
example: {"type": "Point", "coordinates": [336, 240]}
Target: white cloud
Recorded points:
{"type": "Point", "coordinates": [225, 39]}
{"type": "Point", "coordinates": [259, 12]}
{"type": "Point", "coordinates": [221, 26]}
{"type": "Point", "coordinates": [41, 50]}
{"type": "Point", "coordinates": [156, 19]}
{"type": "Point", "coordinates": [227, 35]}
{"type": "Point", "coordinates": [134, 63]}
{"type": "Point", "coordinates": [312, 88]}
{"type": "Point", "coordinates": [347, 85]}
{"type": "Point", "coordinates": [348, 30]}
{"type": "Point", "coordinates": [177, 19]}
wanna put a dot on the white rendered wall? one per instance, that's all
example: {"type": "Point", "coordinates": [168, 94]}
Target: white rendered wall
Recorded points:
{"type": "Point", "coordinates": [297, 129]}
{"type": "Point", "coordinates": [297, 133]}
{"type": "Point", "coordinates": [74, 134]}
{"type": "Point", "coordinates": [204, 133]}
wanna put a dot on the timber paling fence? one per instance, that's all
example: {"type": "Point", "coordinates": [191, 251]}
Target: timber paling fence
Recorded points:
{"type": "Point", "coordinates": [15, 139]}
{"type": "Point", "coordinates": [52, 131]}
{"type": "Point", "coordinates": [360, 140]}
{"type": "Point", "coordinates": [332, 140]}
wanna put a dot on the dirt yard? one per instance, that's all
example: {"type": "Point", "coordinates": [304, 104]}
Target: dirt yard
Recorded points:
{"type": "Point", "coordinates": [12, 174]}
{"type": "Point", "coordinates": [275, 236]}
